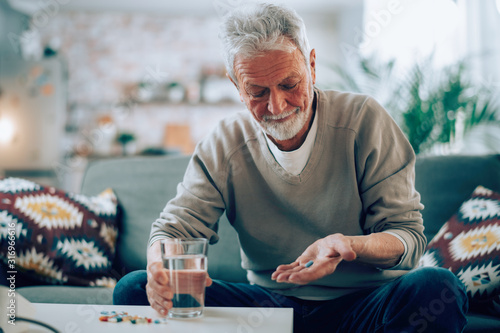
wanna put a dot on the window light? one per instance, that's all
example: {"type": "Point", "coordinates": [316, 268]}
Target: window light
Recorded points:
{"type": "Point", "coordinates": [6, 130]}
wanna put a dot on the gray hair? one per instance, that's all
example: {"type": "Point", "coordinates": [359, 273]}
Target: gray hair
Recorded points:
{"type": "Point", "coordinates": [250, 30]}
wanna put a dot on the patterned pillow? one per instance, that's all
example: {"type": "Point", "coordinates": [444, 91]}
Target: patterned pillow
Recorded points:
{"type": "Point", "coordinates": [54, 237]}
{"type": "Point", "coordinates": [469, 246]}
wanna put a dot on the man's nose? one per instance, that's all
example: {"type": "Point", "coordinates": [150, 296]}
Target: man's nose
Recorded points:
{"type": "Point", "coordinates": [277, 102]}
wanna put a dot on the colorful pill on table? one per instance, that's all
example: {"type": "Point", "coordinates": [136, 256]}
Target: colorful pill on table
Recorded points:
{"type": "Point", "coordinates": [117, 317]}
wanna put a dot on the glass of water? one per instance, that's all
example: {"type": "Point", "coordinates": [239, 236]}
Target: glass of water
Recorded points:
{"type": "Point", "coordinates": [186, 262]}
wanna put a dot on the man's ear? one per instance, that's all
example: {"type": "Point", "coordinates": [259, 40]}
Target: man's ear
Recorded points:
{"type": "Point", "coordinates": [312, 64]}
{"type": "Point", "coordinates": [237, 88]}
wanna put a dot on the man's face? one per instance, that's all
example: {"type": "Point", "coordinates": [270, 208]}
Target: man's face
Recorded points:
{"type": "Point", "coordinates": [277, 88]}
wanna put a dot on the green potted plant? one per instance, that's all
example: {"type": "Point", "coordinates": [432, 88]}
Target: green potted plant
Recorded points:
{"type": "Point", "coordinates": [435, 109]}
{"type": "Point", "coordinates": [124, 139]}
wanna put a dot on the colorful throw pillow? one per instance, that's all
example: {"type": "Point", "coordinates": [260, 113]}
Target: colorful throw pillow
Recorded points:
{"type": "Point", "coordinates": [469, 246]}
{"type": "Point", "coordinates": [51, 236]}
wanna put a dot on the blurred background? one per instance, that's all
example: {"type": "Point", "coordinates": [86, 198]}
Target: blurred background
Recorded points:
{"type": "Point", "coordinates": [82, 80]}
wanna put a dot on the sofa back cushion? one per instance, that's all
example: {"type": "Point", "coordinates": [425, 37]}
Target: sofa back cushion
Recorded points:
{"type": "Point", "coordinates": [444, 182]}
{"type": "Point", "coordinates": [143, 186]}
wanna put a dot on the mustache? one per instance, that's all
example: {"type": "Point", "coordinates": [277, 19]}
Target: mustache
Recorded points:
{"type": "Point", "coordinates": [280, 116]}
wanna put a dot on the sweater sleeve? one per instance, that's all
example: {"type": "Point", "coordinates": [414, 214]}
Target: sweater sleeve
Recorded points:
{"type": "Point", "coordinates": [385, 164]}
{"type": "Point", "coordinates": [198, 205]}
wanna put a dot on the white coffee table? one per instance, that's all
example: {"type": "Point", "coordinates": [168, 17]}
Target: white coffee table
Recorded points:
{"type": "Point", "coordinates": [80, 318]}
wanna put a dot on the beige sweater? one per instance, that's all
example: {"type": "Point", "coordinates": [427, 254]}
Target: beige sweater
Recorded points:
{"type": "Point", "coordinates": [359, 180]}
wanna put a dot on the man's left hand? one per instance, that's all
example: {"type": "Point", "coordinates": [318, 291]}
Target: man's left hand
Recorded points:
{"type": "Point", "coordinates": [325, 254]}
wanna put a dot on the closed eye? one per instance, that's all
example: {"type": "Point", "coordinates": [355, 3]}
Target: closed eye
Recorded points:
{"type": "Point", "coordinates": [258, 93]}
{"type": "Point", "coordinates": [289, 86]}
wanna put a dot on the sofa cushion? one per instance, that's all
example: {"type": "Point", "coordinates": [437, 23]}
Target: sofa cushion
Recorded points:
{"type": "Point", "coordinates": [68, 295]}
{"type": "Point", "coordinates": [54, 237]}
{"type": "Point", "coordinates": [468, 244]}
{"type": "Point", "coordinates": [481, 323]}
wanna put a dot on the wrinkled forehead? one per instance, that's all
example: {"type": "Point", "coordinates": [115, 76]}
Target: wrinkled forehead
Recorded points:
{"type": "Point", "coordinates": [269, 67]}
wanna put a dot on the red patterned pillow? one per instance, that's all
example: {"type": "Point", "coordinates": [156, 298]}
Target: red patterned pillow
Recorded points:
{"type": "Point", "coordinates": [469, 246]}
{"type": "Point", "coordinates": [56, 237]}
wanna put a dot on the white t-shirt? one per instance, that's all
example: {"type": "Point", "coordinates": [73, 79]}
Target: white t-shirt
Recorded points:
{"type": "Point", "coordinates": [295, 161]}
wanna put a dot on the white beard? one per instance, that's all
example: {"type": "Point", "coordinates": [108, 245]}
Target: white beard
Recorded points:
{"type": "Point", "coordinates": [288, 129]}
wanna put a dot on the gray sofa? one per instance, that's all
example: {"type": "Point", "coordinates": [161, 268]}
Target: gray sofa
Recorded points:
{"type": "Point", "coordinates": [144, 184]}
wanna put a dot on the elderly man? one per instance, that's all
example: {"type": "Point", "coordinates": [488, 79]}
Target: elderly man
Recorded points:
{"type": "Point", "coordinates": [319, 186]}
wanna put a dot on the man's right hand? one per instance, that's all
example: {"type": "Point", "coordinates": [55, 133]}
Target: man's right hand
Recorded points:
{"type": "Point", "coordinates": [158, 290]}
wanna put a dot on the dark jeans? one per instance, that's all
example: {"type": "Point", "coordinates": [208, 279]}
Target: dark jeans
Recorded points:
{"type": "Point", "coordinates": [424, 300]}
